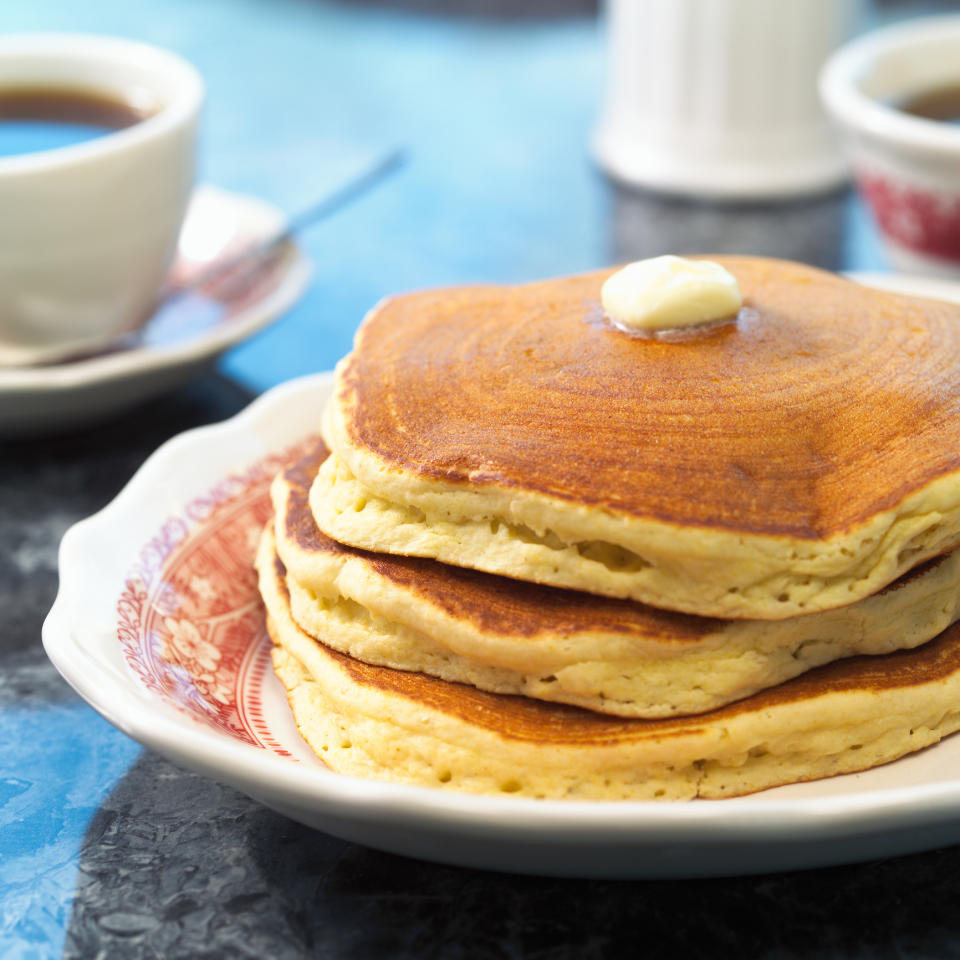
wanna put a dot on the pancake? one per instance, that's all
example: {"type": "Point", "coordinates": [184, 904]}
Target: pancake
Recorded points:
{"type": "Point", "coordinates": [376, 722]}
{"type": "Point", "coordinates": [798, 459]}
{"type": "Point", "coordinates": [614, 656]}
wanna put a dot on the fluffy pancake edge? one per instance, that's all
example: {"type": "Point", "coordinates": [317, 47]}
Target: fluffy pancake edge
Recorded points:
{"type": "Point", "coordinates": [370, 607]}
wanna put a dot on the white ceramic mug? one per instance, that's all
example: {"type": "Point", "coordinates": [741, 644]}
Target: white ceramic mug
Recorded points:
{"type": "Point", "coordinates": [88, 231]}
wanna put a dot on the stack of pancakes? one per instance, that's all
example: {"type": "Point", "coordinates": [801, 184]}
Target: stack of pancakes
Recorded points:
{"type": "Point", "coordinates": [537, 555]}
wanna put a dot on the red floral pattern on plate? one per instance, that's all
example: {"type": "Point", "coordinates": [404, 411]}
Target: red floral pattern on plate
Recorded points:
{"type": "Point", "coordinates": [190, 621]}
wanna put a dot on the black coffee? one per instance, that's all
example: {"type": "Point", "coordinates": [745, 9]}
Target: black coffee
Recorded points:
{"type": "Point", "coordinates": [45, 118]}
{"type": "Point", "coordinates": [939, 103]}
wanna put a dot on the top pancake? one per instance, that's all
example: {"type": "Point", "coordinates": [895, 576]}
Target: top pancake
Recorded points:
{"type": "Point", "coordinates": [812, 447]}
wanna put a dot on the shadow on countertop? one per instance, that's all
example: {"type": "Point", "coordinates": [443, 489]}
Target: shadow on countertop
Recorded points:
{"type": "Point", "coordinates": [812, 230]}
{"type": "Point", "coordinates": [176, 866]}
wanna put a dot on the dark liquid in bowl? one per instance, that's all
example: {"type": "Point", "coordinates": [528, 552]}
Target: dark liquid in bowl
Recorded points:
{"type": "Point", "coordinates": [45, 118]}
{"type": "Point", "coordinates": [940, 103]}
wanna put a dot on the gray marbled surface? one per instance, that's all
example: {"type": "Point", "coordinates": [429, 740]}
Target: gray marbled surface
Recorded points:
{"type": "Point", "coordinates": [177, 866]}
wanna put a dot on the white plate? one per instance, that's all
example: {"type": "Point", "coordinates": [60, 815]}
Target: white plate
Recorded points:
{"type": "Point", "coordinates": [187, 333]}
{"type": "Point", "coordinates": [157, 626]}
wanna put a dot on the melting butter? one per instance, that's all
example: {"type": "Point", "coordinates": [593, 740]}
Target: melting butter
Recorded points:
{"type": "Point", "coordinates": [666, 293]}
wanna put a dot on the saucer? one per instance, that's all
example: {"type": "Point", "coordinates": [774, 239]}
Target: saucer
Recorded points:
{"type": "Point", "coordinates": [189, 330]}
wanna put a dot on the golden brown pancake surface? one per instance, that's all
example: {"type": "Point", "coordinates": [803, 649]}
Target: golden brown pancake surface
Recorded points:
{"type": "Point", "coordinates": [824, 404]}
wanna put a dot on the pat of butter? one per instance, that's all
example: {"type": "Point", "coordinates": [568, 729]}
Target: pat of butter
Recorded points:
{"type": "Point", "coordinates": [667, 292]}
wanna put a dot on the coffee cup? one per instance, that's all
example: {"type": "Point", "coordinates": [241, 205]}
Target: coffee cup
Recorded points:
{"type": "Point", "coordinates": [88, 230]}
{"type": "Point", "coordinates": [906, 166]}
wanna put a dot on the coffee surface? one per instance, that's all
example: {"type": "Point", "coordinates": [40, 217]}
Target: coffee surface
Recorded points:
{"type": "Point", "coordinates": [34, 119]}
{"type": "Point", "coordinates": [940, 103]}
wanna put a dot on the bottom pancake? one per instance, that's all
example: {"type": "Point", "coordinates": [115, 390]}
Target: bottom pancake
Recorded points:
{"type": "Point", "coordinates": [377, 722]}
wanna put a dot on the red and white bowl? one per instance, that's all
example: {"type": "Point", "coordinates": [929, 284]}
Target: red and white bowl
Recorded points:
{"type": "Point", "coordinates": [907, 167]}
